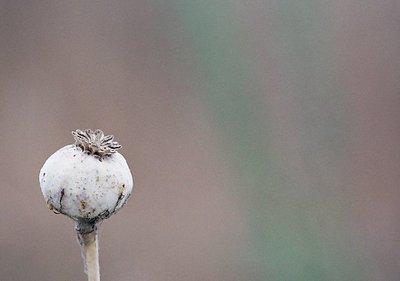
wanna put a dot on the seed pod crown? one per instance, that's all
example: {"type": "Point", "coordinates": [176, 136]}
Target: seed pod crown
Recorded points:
{"type": "Point", "coordinates": [96, 142]}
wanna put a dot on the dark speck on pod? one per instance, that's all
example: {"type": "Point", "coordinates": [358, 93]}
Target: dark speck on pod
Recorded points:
{"type": "Point", "coordinates": [83, 204]}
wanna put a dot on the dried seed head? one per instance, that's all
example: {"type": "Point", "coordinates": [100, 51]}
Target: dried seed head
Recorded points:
{"type": "Point", "coordinates": [75, 183]}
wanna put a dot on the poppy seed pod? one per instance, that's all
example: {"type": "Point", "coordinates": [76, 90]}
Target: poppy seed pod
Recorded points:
{"type": "Point", "coordinates": [86, 181]}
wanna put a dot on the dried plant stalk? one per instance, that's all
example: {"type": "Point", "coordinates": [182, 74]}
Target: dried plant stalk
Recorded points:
{"type": "Point", "coordinates": [88, 241]}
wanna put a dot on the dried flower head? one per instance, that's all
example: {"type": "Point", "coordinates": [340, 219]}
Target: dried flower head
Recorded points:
{"type": "Point", "coordinates": [76, 184]}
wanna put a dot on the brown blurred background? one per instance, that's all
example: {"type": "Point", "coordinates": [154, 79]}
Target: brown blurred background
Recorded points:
{"type": "Point", "coordinates": [263, 136]}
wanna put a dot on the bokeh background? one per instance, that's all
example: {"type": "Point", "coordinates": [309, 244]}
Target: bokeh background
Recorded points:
{"type": "Point", "coordinates": [263, 135]}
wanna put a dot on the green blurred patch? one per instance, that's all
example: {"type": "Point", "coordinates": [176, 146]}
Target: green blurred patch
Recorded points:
{"type": "Point", "coordinates": [289, 243]}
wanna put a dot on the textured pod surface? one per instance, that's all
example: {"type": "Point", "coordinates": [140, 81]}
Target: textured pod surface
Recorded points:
{"type": "Point", "coordinates": [84, 186]}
